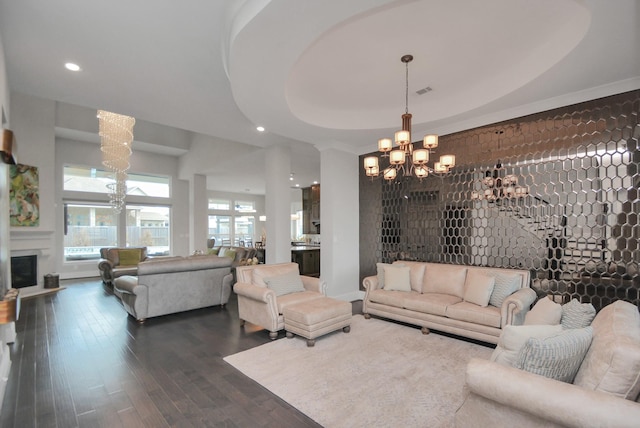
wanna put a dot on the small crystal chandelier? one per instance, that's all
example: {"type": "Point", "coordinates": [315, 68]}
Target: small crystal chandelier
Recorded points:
{"type": "Point", "coordinates": [498, 186]}
{"type": "Point", "coordinates": [116, 137]}
{"type": "Point", "coordinates": [404, 157]}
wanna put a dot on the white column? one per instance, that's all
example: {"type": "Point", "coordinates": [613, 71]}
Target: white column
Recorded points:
{"type": "Point", "coordinates": [198, 207]}
{"type": "Point", "coordinates": [340, 224]}
{"type": "Point", "coordinates": [278, 204]}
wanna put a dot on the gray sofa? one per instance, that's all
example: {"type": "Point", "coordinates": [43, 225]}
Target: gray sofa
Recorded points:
{"type": "Point", "coordinates": [603, 394]}
{"type": "Point", "coordinates": [176, 284]}
{"type": "Point", "coordinates": [436, 300]}
{"type": "Point", "coordinates": [111, 266]}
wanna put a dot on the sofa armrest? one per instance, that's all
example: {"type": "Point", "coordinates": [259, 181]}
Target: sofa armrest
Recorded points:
{"type": "Point", "coordinates": [314, 284]}
{"type": "Point", "coordinates": [516, 306]}
{"type": "Point", "coordinates": [558, 402]}
{"type": "Point", "coordinates": [250, 291]}
{"type": "Point", "coordinates": [370, 282]}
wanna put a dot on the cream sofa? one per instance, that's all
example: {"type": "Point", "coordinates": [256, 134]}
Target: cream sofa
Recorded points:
{"type": "Point", "coordinates": [602, 394]}
{"type": "Point", "coordinates": [176, 284]}
{"type": "Point", "coordinates": [259, 304]}
{"type": "Point", "coordinates": [437, 300]}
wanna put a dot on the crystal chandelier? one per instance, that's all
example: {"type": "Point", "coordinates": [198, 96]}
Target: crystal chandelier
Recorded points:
{"type": "Point", "coordinates": [404, 157]}
{"type": "Point", "coordinates": [116, 137]}
{"type": "Point", "coordinates": [498, 186]}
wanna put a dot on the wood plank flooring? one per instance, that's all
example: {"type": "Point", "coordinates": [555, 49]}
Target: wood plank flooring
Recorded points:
{"type": "Point", "coordinates": [80, 361]}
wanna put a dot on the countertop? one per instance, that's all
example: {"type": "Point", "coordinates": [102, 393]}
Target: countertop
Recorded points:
{"type": "Point", "coordinates": [305, 247]}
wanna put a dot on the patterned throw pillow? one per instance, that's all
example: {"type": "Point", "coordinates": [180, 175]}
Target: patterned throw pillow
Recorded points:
{"type": "Point", "coordinates": [577, 315]}
{"type": "Point", "coordinates": [286, 283]}
{"type": "Point", "coordinates": [504, 286]}
{"type": "Point", "coordinates": [514, 337]}
{"type": "Point", "coordinates": [556, 357]}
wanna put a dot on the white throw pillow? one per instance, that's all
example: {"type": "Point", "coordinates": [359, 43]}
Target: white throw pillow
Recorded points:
{"type": "Point", "coordinates": [380, 272]}
{"type": "Point", "coordinates": [577, 315]}
{"type": "Point", "coordinates": [513, 338]}
{"type": "Point", "coordinates": [505, 286]}
{"type": "Point", "coordinates": [478, 288]}
{"type": "Point", "coordinates": [286, 283]}
{"type": "Point", "coordinates": [545, 311]}
{"type": "Point", "coordinates": [557, 357]}
{"type": "Point", "coordinates": [397, 278]}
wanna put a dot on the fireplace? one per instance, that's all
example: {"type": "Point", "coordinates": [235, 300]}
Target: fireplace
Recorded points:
{"type": "Point", "coordinates": [24, 271]}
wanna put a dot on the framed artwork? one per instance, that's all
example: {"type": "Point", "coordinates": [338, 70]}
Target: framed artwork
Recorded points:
{"type": "Point", "coordinates": [24, 202]}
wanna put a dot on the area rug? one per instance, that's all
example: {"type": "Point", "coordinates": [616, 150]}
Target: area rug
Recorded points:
{"type": "Point", "coordinates": [381, 374]}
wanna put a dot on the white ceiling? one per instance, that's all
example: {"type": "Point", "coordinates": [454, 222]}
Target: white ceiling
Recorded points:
{"type": "Point", "coordinates": [316, 74]}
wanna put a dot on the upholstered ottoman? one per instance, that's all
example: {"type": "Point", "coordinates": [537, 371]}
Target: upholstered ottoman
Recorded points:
{"type": "Point", "coordinates": [317, 317]}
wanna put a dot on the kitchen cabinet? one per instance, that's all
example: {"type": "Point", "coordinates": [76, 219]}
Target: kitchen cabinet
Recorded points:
{"type": "Point", "coordinates": [308, 260]}
{"type": "Point", "coordinates": [311, 209]}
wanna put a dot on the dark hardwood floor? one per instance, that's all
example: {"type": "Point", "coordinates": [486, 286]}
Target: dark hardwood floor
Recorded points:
{"type": "Point", "coordinates": [80, 361]}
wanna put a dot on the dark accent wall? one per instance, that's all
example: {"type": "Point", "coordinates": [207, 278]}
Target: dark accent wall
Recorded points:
{"type": "Point", "coordinates": [576, 229]}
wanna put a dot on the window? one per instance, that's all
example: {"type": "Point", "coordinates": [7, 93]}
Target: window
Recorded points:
{"type": "Point", "coordinates": [88, 228]}
{"type": "Point", "coordinates": [90, 222]}
{"type": "Point", "coordinates": [243, 230]}
{"type": "Point", "coordinates": [245, 207]}
{"type": "Point", "coordinates": [148, 226]}
{"type": "Point", "coordinates": [219, 204]}
{"type": "Point", "coordinates": [93, 180]}
{"type": "Point", "coordinates": [220, 228]}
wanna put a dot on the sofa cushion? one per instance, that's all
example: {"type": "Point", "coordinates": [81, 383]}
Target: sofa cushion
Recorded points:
{"type": "Point", "coordinates": [229, 253]}
{"type": "Point", "coordinates": [612, 364]}
{"type": "Point", "coordinates": [470, 312]}
{"type": "Point", "coordinates": [445, 279]}
{"type": "Point", "coordinates": [545, 311]}
{"type": "Point", "coordinates": [129, 257]}
{"type": "Point", "coordinates": [267, 271]}
{"type": "Point", "coordinates": [557, 357]}
{"type": "Point", "coordinates": [213, 251]}
{"type": "Point", "coordinates": [285, 283]}
{"type": "Point", "coordinates": [397, 278]}
{"type": "Point", "coordinates": [293, 298]}
{"type": "Point", "coordinates": [390, 298]}
{"type": "Point", "coordinates": [505, 285]}
{"type": "Point", "coordinates": [478, 287]}
{"type": "Point", "coordinates": [577, 315]}
{"type": "Point", "coordinates": [430, 303]}
{"type": "Point", "coordinates": [514, 337]}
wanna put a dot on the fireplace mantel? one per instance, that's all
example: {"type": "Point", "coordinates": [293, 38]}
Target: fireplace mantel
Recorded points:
{"type": "Point", "coordinates": [23, 240]}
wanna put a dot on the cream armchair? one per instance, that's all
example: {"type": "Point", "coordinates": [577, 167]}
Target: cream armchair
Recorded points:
{"type": "Point", "coordinates": [259, 304]}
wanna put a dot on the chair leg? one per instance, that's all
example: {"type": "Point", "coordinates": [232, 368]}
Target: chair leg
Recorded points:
{"type": "Point", "coordinates": [425, 330]}
{"type": "Point", "coordinates": [141, 320]}
{"type": "Point", "coordinates": [367, 316]}
{"type": "Point", "coordinates": [242, 322]}
{"type": "Point", "coordinates": [346, 329]}
{"type": "Point", "coordinates": [289, 335]}
{"type": "Point", "coordinates": [311, 343]}
{"type": "Point", "coordinates": [273, 335]}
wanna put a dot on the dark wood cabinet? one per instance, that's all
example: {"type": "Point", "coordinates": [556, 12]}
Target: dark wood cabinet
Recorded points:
{"type": "Point", "coordinates": [308, 261]}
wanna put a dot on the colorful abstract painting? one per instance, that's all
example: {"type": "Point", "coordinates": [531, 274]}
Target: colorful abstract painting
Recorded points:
{"type": "Point", "coordinates": [24, 208]}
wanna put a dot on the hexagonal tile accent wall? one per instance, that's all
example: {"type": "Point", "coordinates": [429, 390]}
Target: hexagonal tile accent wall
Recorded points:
{"type": "Point", "coordinates": [554, 192]}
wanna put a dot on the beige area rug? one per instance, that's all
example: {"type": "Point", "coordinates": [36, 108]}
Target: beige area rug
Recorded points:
{"type": "Point", "coordinates": [381, 374]}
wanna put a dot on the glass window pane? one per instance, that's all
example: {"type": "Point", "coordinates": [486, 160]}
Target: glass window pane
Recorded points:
{"type": "Point", "coordinates": [85, 179]}
{"type": "Point", "coordinates": [148, 226]}
{"type": "Point", "coordinates": [243, 232]}
{"type": "Point", "coordinates": [219, 204]}
{"type": "Point", "coordinates": [89, 228]}
{"type": "Point", "coordinates": [244, 206]}
{"type": "Point", "coordinates": [220, 228]}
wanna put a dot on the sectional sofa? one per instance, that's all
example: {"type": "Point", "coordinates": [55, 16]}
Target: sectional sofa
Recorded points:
{"type": "Point", "coordinates": [471, 301]}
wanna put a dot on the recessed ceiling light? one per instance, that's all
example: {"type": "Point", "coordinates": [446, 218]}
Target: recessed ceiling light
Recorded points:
{"type": "Point", "coordinates": [315, 182]}
{"type": "Point", "coordinates": [297, 185]}
{"type": "Point", "coordinates": [260, 128]}
{"type": "Point", "coordinates": [72, 66]}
